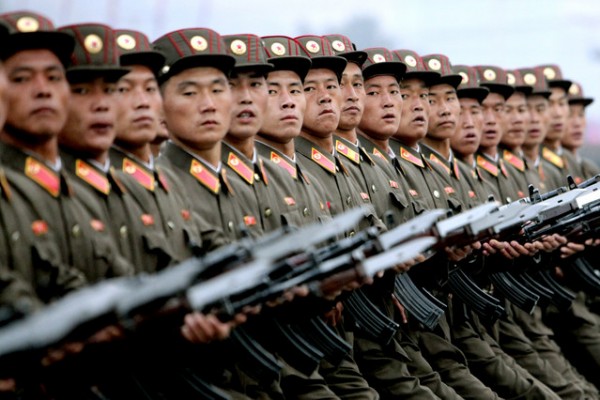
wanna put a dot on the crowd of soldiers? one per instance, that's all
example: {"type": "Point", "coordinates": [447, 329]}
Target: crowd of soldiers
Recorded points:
{"type": "Point", "coordinates": [121, 156]}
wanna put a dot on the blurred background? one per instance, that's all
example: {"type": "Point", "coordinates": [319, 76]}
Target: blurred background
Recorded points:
{"type": "Point", "coordinates": [508, 33]}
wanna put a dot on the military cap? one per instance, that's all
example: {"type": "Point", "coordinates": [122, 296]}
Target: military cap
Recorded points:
{"type": "Point", "coordinates": [554, 76]}
{"type": "Point", "coordinates": [440, 63]}
{"type": "Point", "coordinates": [469, 86]}
{"type": "Point", "coordinates": [534, 77]}
{"type": "Point", "coordinates": [321, 54]}
{"type": "Point", "coordinates": [342, 46]}
{"type": "Point", "coordinates": [414, 66]}
{"type": "Point", "coordinates": [95, 53]}
{"type": "Point", "coordinates": [576, 95]}
{"type": "Point", "coordinates": [285, 53]}
{"type": "Point", "coordinates": [190, 48]}
{"type": "Point", "coordinates": [495, 79]}
{"type": "Point", "coordinates": [134, 49]}
{"type": "Point", "coordinates": [380, 61]}
{"type": "Point", "coordinates": [249, 53]}
{"type": "Point", "coordinates": [30, 31]}
{"type": "Point", "coordinates": [515, 79]}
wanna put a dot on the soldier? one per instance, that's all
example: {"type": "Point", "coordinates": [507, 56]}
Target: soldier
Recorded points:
{"type": "Point", "coordinates": [491, 165]}
{"type": "Point", "coordinates": [88, 134]}
{"type": "Point", "coordinates": [385, 365]}
{"type": "Point", "coordinates": [283, 120]}
{"type": "Point", "coordinates": [428, 187]}
{"type": "Point", "coordinates": [552, 151]}
{"type": "Point", "coordinates": [465, 141]}
{"type": "Point", "coordinates": [157, 191]}
{"type": "Point", "coordinates": [573, 139]}
{"type": "Point", "coordinates": [198, 79]}
{"type": "Point", "coordinates": [316, 154]}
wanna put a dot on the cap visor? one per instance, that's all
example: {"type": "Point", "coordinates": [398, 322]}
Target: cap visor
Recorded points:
{"type": "Point", "coordinates": [60, 43]}
{"type": "Point", "coordinates": [504, 90]}
{"type": "Point", "coordinates": [452, 80]}
{"type": "Point", "coordinates": [586, 101]}
{"type": "Point", "coordinates": [299, 65]}
{"type": "Point", "coordinates": [334, 63]}
{"type": "Point", "coordinates": [395, 69]}
{"type": "Point", "coordinates": [478, 93]}
{"type": "Point", "coordinates": [428, 77]}
{"type": "Point", "coordinates": [221, 62]}
{"type": "Point", "coordinates": [563, 84]}
{"type": "Point", "coordinates": [151, 59]}
{"type": "Point", "coordinates": [357, 57]}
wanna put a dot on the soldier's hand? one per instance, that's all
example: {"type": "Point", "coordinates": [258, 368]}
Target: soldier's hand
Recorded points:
{"type": "Point", "coordinates": [7, 385]}
{"type": "Point", "coordinates": [571, 248]}
{"type": "Point", "coordinates": [405, 266]}
{"type": "Point", "coordinates": [333, 316]}
{"type": "Point", "coordinates": [201, 328]}
{"type": "Point", "coordinates": [552, 242]}
{"type": "Point", "coordinates": [458, 253]}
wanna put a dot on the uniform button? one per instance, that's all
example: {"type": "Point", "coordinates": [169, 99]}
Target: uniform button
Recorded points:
{"type": "Point", "coordinates": [348, 200]}
{"type": "Point", "coordinates": [352, 233]}
{"type": "Point", "coordinates": [436, 194]}
{"type": "Point", "coordinates": [16, 235]}
{"type": "Point", "coordinates": [337, 169]}
{"type": "Point", "coordinates": [305, 212]}
{"type": "Point", "coordinates": [268, 212]}
{"type": "Point", "coordinates": [373, 188]}
{"type": "Point", "coordinates": [508, 200]}
{"type": "Point", "coordinates": [171, 225]}
{"type": "Point", "coordinates": [123, 231]}
{"type": "Point", "coordinates": [257, 177]}
{"type": "Point", "coordinates": [76, 230]}
{"type": "Point", "coordinates": [230, 226]}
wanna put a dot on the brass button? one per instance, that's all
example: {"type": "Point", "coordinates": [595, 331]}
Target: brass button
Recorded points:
{"type": "Point", "coordinates": [268, 212]}
{"type": "Point", "coordinates": [352, 233]}
{"type": "Point", "coordinates": [337, 169]}
{"type": "Point", "coordinates": [171, 225]}
{"type": "Point", "coordinates": [123, 231]}
{"type": "Point", "coordinates": [348, 200]}
{"type": "Point", "coordinates": [257, 177]}
{"type": "Point", "coordinates": [16, 235]}
{"type": "Point", "coordinates": [373, 188]}
{"type": "Point", "coordinates": [230, 226]}
{"type": "Point", "coordinates": [508, 200]}
{"type": "Point", "coordinates": [76, 230]}
{"type": "Point", "coordinates": [305, 211]}
{"type": "Point", "coordinates": [436, 194]}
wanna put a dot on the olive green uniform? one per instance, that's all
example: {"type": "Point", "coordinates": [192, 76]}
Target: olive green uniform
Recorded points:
{"type": "Point", "coordinates": [82, 238]}
{"type": "Point", "coordinates": [159, 194]}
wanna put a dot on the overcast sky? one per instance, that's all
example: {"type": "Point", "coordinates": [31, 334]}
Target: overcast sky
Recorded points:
{"type": "Point", "coordinates": [508, 33]}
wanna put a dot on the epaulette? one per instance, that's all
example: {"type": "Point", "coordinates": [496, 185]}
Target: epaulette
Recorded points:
{"type": "Point", "coordinates": [240, 167]}
{"type": "Point", "coordinates": [43, 176]}
{"type": "Point", "coordinates": [138, 173]}
{"type": "Point", "coordinates": [347, 152]}
{"type": "Point", "coordinates": [204, 176]}
{"type": "Point", "coordinates": [322, 160]}
{"type": "Point", "coordinates": [89, 175]}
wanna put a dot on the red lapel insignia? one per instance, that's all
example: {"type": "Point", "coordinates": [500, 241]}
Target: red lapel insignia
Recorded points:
{"type": "Point", "coordinates": [378, 153]}
{"type": "Point", "coordinates": [204, 176]}
{"type": "Point", "coordinates": [487, 165]}
{"type": "Point", "coordinates": [185, 214]}
{"type": "Point", "coordinates": [88, 174]}
{"type": "Point", "coordinates": [410, 157]}
{"type": "Point", "coordinates": [513, 160]}
{"type": "Point", "coordinates": [413, 192]}
{"type": "Point", "coordinates": [240, 168]}
{"type": "Point", "coordinates": [471, 194]}
{"type": "Point", "coordinates": [439, 162]}
{"type": "Point", "coordinates": [43, 176]}
{"type": "Point", "coordinates": [347, 152]}
{"type": "Point", "coordinates": [97, 225]}
{"type": "Point", "coordinates": [147, 219]}
{"type": "Point", "coordinates": [284, 164]}
{"type": "Point", "coordinates": [364, 196]}
{"type": "Point", "coordinates": [322, 160]}
{"type": "Point", "coordinates": [393, 184]}
{"type": "Point", "coordinates": [289, 201]}
{"type": "Point", "coordinates": [553, 158]}
{"type": "Point", "coordinates": [145, 179]}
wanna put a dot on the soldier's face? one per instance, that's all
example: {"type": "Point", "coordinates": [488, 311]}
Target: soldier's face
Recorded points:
{"type": "Point", "coordinates": [559, 112]}
{"type": "Point", "coordinates": [197, 104]}
{"type": "Point", "coordinates": [516, 120]}
{"type": "Point", "coordinates": [538, 121]}
{"type": "Point", "coordinates": [415, 111]}
{"type": "Point", "coordinates": [323, 99]}
{"type": "Point", "coordinates": [37, 95]}
{"type": "Point", "coordinates": [140, 108]}
{"type": "Point", "coordinates": [444, 112]}
{"type": "Point", "coordinates": [573, 139]}
{"type": "Point", "coordinates": [383, 107]}
{"type": "Point", "coordinates": [493, 114]}
{"type": "Point", "coordinates": [468, 135]}
{"type": "Point", "coordinates": [285, 107]}
{"type": "Point", "coordinates": [90, 127]}
{"type": "Point", "coordinates": [353, 97]}
{"type": "Point", "coordinates": [249, 92]}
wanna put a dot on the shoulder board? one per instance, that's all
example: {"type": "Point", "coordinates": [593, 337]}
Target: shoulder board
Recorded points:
{"type": "Point", "coordinates": [410, 157]}
{"type": "Point", "coordinates": [280, 161]}
{"type": "Point", "coordinates": [487, 165]}
{"type": "Point", "coordinates": [43, 176]}
{"type": "Point", "coordinates": [95, 179]}
{"type": "Point", "coordinates": [322, 160]}
{"type": "Point", "coordinates": [347, 152]}
{"type": "Point", "coordinates": [204, 176]}
{"type": "Point", "coordinates": [139, 173]}
{"type": "Point", "coordinates": [553, 158]}
{"type": "Point", "coordinates": [240, 168]}
{"type": "Point", "coordinates": [513, 160]}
